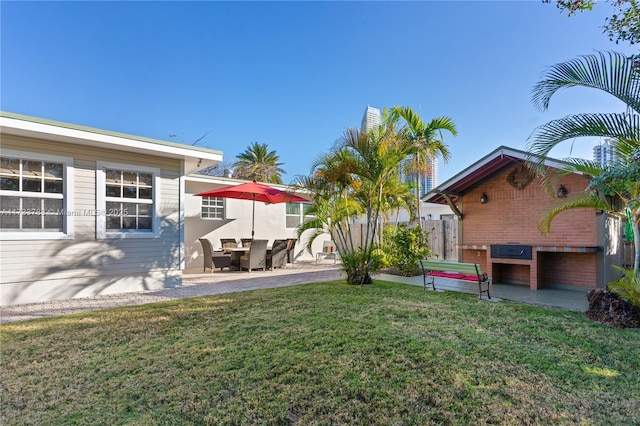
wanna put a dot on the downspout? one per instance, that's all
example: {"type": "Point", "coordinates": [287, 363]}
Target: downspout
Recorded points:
{"type": "Point", "coordinates": [181, 197]}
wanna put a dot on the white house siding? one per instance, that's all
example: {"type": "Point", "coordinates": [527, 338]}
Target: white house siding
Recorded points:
{"type": "Point", "coordinates": [42, 270]}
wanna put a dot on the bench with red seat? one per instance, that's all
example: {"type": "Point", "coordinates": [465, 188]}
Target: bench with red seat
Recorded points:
{"type": "Point", "coordinates": [470, 272]}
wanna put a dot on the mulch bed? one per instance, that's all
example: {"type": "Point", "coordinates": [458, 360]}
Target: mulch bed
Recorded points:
{"type": "Point", "coordinates": [609, 308]}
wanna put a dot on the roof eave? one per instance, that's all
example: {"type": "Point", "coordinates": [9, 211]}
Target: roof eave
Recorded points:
{"type": "Point", "coordinates": [195, 158]}
{"type": "Point", "coordinates": [473, 174]}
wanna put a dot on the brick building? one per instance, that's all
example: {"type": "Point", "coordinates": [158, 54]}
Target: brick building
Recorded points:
{"type": "Point", "coordinates": [498, 204]}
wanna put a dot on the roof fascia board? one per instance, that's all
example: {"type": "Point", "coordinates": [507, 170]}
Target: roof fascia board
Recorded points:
{"type": "Point", "coordinates": [212, 179]}
{"type": "Point", "coordinates": [472, 168]}
{"type": "Point", "coordinates": [63, 132]}
{"type": "Point", "coordinates": [500, 151]}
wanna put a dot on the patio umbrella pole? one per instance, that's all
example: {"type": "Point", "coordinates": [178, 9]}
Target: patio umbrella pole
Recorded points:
{"type": "Point", "coordinates": [253, 215]}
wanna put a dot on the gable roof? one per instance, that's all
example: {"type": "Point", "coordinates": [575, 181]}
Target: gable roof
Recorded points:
{"type": "Point", "coordinates": [22, 125]}
{"type": "Point", "coordinates": [480, 171]}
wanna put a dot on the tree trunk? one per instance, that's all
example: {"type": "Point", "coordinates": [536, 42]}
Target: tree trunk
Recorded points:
{"type": "Point", "coordinates": [418, 197]}
{"type": "Point", "coordinates": [636, 242]}
{"type": "Point", "coordinates": [359, 277]}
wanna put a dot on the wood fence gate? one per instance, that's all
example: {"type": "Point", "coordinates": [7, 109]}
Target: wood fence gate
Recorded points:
{"type": "Point", "coordinates": [443, 238]}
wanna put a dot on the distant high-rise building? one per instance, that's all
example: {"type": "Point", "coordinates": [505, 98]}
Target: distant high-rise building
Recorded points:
{"type": "Point", "coordinates": [371, 119]}
{"type": "Point", "coordinates": [428, 180]}
{"type": "Point", "coordinates": [604, 153]}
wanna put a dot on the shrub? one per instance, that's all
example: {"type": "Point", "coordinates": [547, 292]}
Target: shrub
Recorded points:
{"type": "Point", "coordinates": [627, 287]}
{"type": "Point", "coordinates": [403, 247]}
{"type": "Point", "coordinates": [359, 265]}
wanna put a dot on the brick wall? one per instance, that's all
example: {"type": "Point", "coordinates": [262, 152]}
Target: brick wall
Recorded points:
{"type": "Point", "coordinates": [511, 216]}
{"type": "Point", "coordinates": [578, 269]}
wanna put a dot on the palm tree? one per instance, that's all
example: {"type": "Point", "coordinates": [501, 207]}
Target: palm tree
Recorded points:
{"type": "Point", "coordinates": [427, 143]}
{"type": "Point", "coordinates": [400, 195]}
{"type": "Point", "coordinates": [258, 163]}
{"type": "Point", "coordinates": [614, 189]}
{"type": "Point", "coordinates": [353, 180]}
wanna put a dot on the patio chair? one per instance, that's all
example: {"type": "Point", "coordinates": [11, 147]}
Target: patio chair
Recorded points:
{"type": "Point", "coordinates": [256, 257]}
{"type": "Point", "coordinates": [291, 243]}
{"type": "Point", "coordinates": [246, 242]}
{"type": "Point", "coordinates": [213, 259]}
{"type": "Point", "coordinates": [228, 242]}
{"type": "Point", "coordinates": [278, 256]}
{"type": "Point", "coordinates": [328, 250]}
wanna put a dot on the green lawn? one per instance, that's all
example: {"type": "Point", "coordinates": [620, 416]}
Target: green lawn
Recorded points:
{"type": "Point", "coordinates": [326, 353]}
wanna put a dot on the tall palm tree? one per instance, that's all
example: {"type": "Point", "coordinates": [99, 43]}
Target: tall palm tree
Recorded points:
{"type": "Point", "coordinates": [616, 193]}
{"type": "Point", "coordinates": [400, 195]}
{"type": "Point", "coordinates": [258, 163]}
{"type": "Point", "coordinates": [427, 143]}
{"type": "Point", "coordinates": [356, 179]}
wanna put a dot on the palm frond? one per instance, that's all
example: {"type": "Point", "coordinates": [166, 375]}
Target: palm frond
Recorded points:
{"type": "Point", "coordinates": [626, 148]}
{"type": "Point", "coordinates": [573, 201]}
{"type": "Point", "coordinates": [582, 166]}
{"type": "Point", "coordinates": [413, 120]}
{"type": "Point", "coordinates": [552, 176]}
{"type": "Point", "coordinates": [611, 72]}
{"type": "Point", "coordinates": [628, 286]}
{"type": "Point", "coordinates": [442, 123]}
{"type": "Point", "coordinates": [611, 125]}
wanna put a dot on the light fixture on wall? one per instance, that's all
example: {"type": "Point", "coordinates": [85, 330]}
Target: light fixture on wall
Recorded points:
{"type": "Point", "coordinates": [484, 198]}
{"type": "Point", "coordinates": [562, 192]}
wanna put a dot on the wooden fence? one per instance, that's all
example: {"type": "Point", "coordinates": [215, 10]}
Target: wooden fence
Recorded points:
{"type": "Point", "coordinates": [443, 237]}
{"type": "Point", "coordinates": [628, 255]}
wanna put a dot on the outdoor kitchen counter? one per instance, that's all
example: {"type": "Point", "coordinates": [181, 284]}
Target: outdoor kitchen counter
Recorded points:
{"type": "Point", "coordinates": [562, 249]}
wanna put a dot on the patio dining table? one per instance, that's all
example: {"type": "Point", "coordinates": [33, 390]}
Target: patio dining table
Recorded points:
{"type": "Point", "coordinates": [236, 253]}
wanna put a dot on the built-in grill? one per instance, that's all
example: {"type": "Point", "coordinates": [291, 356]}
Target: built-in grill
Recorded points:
{"type": "Point", "coordinates": [511, 251]}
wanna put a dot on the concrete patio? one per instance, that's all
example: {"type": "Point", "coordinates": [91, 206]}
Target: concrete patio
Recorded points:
{"type": "Point", "coordinates": [570, 299]}
{"type": "Point", "coordinates": [197, 284]}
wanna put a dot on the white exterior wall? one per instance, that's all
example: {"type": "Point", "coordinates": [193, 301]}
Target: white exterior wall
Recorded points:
{"type": "Point", "coordinates": [269, 222]}
{"type": "Point", "coordinates": [435, 210]}
{"type": "Point", "coordinates": [42, 270]}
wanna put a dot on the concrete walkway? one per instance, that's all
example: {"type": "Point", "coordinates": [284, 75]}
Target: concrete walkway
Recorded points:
{"type": "Point", "coordinates": [193, 285]}
{"type": "Point", "coordinates": [199, 284]}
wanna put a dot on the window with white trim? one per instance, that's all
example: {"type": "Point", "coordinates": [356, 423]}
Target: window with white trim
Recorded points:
{"type": "Point", "coordinates": [212, 208]}
{"type": "Point", "coordinates": [34, 196]}
{"type": "Point", "coordinates": [127, 201]}
{"type": "Point", "coordinates": [296, 214]}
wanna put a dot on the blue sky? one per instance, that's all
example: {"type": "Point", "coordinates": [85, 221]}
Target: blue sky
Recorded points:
{"type": "Point", "coordinates": [295, 75]}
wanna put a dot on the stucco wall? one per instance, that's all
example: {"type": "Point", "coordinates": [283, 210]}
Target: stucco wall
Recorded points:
{"type": "Point", "coordinates": [269, 224]}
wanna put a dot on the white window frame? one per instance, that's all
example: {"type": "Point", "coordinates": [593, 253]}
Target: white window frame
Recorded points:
{"type": "Point", "coordinates": [211, 207]}
{"type": "Point", "coordinates": [102, 199]}
{"type": "Point", "coordinates": [301, 216]}
{"type": "Point", "coordinates": [67, 198]}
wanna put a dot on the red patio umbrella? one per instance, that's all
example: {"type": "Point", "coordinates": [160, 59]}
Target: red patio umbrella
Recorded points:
{"type": "Point", "coordinates": [256, 192]}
